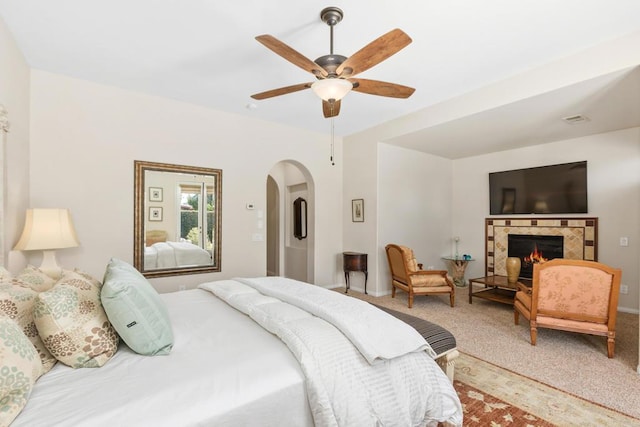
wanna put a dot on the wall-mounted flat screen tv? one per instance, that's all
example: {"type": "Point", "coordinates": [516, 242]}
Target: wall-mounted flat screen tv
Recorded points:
{"type": "Point", "coordinates": [553, 189]}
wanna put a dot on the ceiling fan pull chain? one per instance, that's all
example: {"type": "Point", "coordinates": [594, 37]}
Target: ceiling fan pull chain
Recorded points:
{"type": "Point", "coordinates": [332, 138]}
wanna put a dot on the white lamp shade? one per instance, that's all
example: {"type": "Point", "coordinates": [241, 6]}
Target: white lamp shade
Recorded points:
{"type": "Point", "coordinates": [46, 229]}
{"type": "Point", "coordinates": [332, 88]}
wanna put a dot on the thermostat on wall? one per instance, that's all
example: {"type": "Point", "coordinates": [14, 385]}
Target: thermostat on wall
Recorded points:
{"type": "Point", "coordinates": [250, 206]}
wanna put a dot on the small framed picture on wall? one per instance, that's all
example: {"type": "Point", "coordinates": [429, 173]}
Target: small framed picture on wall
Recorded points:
{"type": "Point", "coordinates": [155, 194]}
{"type": "Point", "coordinates": [155, 214]}
{"type": "Point", "coordinates": [357, 210]}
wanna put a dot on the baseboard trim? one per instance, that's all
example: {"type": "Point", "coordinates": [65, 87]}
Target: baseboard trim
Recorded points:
{"type": "Point", "coordinates": [628, 310]}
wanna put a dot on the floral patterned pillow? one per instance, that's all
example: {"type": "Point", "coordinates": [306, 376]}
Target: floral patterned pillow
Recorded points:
{"type": "Point", "coordinates": [16, 303]}
{"type": "Point", "coordinates": [72, 323]}
{"type": "Point", "coordinates": [20, 366]}
{"type": "Point", "coordinates": [36, 279]}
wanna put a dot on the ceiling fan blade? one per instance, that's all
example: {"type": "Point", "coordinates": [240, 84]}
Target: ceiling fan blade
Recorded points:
{"type": "Point", "coordinates": [291, 55]}
{"type": "Point", "coordinates": [281, 91]}
{"type": "Point", "coordinates": [376, 87]}
{"type": "Point", "coordinates": [374, 53]}
{"type": "Point", "coordinates": [330, 109]}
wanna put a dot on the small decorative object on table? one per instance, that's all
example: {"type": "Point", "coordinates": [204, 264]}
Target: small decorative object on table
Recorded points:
{"type": "Point", "coordinates": [513, 269]}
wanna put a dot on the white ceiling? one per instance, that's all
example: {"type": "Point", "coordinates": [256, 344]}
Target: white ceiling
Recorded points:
{"type": "Point", "coordinates": [204, 52]}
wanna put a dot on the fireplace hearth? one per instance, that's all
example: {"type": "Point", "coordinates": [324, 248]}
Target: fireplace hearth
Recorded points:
{"type": "Point", "coordinates": [532, 249]}
{"type": "Point", "coordinates": [580, 238]}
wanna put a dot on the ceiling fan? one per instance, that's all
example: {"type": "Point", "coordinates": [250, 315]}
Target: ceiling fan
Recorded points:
{"type": "Point", "coordinates": [335, 73]}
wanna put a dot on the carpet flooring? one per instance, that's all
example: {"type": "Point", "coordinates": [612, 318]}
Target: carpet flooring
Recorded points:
{"type": "Point", "coordinates": [574, 363]}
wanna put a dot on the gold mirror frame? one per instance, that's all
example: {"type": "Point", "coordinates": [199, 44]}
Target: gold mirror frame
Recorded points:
{"type": "Point", "coordinates": [141, 206]}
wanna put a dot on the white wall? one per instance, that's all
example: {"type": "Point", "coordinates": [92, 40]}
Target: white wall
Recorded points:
{"type": "Point", "coordinates": [613, 174]}
{"type": "Point", "coordinates": [14, 95]}
{"type": "Point", "coordinates": [414, 207]}
{"type": "Point", "coordinates": [360, 170]}
{"type": "Point", "coordinates": [407, 200]}
{"type": "Point", "coordinates": [85, 137]}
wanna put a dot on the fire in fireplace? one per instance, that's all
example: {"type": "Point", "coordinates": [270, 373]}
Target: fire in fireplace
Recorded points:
{"type": "Point", "coordinates": [532, 249]}
{"type": "Point", "coordinates": [535, 256]}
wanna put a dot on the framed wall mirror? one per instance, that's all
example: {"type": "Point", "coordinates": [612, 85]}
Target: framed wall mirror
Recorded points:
{"type": "Point", "coordinates": [177, 219]}
{"type": "Point", "coordinates": [300, 218]}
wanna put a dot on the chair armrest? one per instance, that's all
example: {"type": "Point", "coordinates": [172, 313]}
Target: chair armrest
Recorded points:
{"type": "Point", "coordinates": [442, 273]}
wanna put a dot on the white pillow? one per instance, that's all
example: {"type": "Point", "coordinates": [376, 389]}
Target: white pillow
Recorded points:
{"type": "Point", "coordinates": [135, 310]}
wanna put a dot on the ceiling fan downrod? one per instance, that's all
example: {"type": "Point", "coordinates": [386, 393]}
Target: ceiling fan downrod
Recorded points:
{"type": "Point", "coordinates": [331, 16]}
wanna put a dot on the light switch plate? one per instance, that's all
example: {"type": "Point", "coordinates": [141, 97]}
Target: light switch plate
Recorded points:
{"type": "Point", "coordinates": [624, 241]}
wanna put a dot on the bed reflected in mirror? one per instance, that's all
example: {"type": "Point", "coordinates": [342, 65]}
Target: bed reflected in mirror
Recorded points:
{"type": "Point", "coordinates": [177, 213]}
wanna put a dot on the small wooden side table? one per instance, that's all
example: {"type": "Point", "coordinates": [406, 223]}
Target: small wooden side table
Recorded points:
{"type": "Point", "coordinates": [456, 267]}
{"type": "Point", "coordinates": [354, 261]}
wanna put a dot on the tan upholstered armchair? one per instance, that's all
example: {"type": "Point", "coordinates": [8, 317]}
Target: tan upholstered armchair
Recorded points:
{"type": "Point", "coordinates": [407, 274]}
{"type": "Point", "coordinates": [572, 295]}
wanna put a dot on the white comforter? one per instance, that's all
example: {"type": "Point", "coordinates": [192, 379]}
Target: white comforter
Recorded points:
{"type": "Point", "coordinates": [363, 366]}
{"type": "Point", "coordinates": [174, 254]}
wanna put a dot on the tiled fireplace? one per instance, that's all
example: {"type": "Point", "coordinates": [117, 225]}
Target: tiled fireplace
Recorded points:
{"type": "Point", "coordinates": [572, 238]}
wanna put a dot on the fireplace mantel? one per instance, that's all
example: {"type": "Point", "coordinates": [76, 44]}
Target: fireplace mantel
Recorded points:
{"type": "Point", "coordinates": [580, 238]}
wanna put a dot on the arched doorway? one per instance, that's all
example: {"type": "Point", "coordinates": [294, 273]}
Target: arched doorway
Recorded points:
{"type": "Point", "coordinates": [287, 255]}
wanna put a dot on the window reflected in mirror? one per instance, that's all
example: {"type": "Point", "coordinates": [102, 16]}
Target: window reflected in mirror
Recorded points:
{"type": "Point", "coordinates": [177, 219]}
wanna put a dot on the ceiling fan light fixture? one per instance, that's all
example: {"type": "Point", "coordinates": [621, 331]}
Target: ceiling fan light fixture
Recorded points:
{"type": "Point", "coordinates": [332, 88]}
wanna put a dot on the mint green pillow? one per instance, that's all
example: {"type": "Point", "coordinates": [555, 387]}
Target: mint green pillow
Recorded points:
{"type": "Point", "coordinates": [135, 310]}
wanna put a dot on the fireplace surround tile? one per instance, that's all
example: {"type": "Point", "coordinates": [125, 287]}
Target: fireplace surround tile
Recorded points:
{"type": "Point", "coordinates": [580, 238]}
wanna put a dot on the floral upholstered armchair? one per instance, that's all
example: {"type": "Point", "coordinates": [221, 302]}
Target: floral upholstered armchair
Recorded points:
{"type": "Point", "coordinates": [572, 295]}
{"type": "Point", "coordinates": [407, 274]}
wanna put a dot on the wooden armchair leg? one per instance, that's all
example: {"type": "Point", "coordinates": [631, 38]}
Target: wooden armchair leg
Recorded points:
{"type": "Point", "coordinates": [534, 332]}
{"type": "Point", "coordinates": [452, 298]}
{"type": "Point", "coordinates": [516, 317]}
{"type": "Point", "coordinates": [393, 291]}
{"type": "Point", "coordinates": [410, 300]}
{"type": "Point", "coordinates": [611, 343]}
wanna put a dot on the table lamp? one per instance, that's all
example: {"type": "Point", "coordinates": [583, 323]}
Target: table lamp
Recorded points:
{"type": "Point", "coordinates": [48, 230]}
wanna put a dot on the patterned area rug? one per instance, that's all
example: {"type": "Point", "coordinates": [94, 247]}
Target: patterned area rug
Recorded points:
{"type": "Point", "coordinates": [493, 396]}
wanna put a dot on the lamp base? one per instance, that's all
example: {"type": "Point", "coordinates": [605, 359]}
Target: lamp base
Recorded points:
{"type": "Point", "coordinates": [49, 264]}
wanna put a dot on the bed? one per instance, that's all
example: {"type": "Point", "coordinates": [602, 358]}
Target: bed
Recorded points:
{"type": "Point", "coordinates": [175, 254]}
{"type": "Point", "coordinates": [260, 351]}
